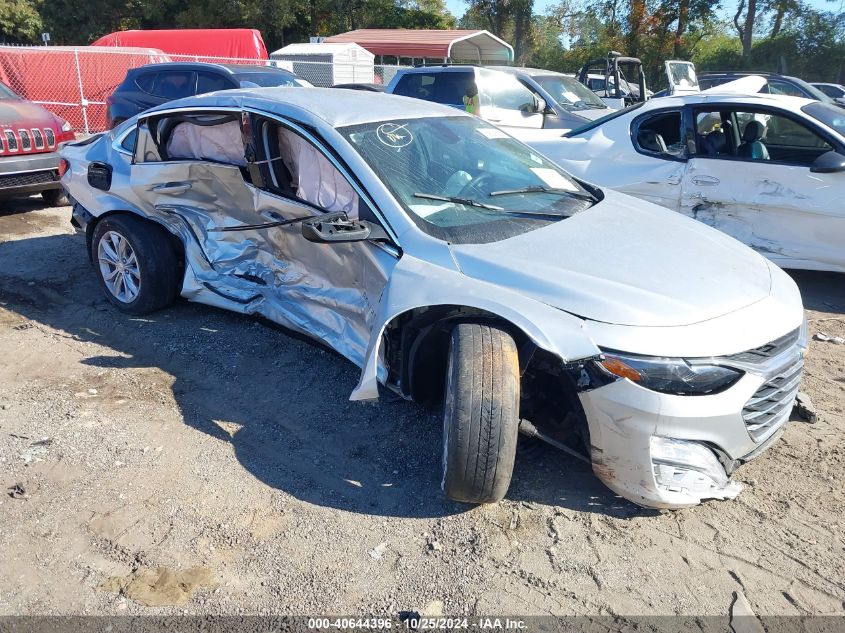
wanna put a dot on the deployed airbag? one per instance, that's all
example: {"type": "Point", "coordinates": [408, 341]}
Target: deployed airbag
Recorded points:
{"type": "Point", "coordinates": [316, 180]}
{"type": "Point", "coordinates": [222, 143]}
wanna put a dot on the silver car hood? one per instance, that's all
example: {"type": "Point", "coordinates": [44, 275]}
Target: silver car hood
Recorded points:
{"type": "Point", "coordinates": [625, 262]}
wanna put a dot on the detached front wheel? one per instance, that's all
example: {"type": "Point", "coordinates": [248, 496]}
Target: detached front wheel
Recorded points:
{"type": "Point", "coordinates": [480, 413]}
{"type": "Point", "coordinates": [135, 263]}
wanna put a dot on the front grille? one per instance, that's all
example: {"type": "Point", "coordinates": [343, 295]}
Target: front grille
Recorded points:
{"type": "Point", "coordinates": [12, 140]}
{"type": "Point", "coordinates": [26, 143]}
{"type": "Point", "coordinates": [769, 350]}
{"type": "Point", "coordinates": [51, 137]}
{"type": "Point", "coordinates": [37, 138]}
{"type": "Point", "coordinates": [771, 404]}
{"type": "Point", "coordinates": [30, 178]}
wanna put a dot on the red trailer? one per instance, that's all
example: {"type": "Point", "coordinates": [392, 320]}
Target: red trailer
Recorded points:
{"type": "Point", "coordinates": [194, 44]}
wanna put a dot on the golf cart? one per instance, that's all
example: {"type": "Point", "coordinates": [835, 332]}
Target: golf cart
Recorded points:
{"type": "Point", "coordinates": [619, 81]}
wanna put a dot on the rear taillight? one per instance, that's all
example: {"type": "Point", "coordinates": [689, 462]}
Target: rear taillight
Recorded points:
{"type": "Point", "coordinates": [63, 167]}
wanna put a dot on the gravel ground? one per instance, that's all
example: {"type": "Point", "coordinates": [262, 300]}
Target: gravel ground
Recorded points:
{"type": "Point", "coordinates": [196, 461]}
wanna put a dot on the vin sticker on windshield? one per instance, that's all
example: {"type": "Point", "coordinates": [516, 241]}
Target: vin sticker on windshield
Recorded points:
{"type": "Point", "coordinates": [492, 132]}
{"type": "Point", "coordinates": [553, 179]}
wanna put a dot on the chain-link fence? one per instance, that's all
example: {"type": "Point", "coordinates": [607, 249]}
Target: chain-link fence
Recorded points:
{"type": "Point", "coordinates": [75, 82]}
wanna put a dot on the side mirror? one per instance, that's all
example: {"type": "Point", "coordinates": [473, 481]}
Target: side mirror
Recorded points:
{"type": "Point", "coordinates": [828, 163]}
{"type": "Point", "coordinates": [336, 228]}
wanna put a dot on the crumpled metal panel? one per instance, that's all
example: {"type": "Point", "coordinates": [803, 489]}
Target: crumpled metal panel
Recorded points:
{"type": "Point", "coordinates": [326, 291]}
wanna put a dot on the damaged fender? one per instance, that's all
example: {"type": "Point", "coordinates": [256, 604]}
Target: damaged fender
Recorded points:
{"type": "Point", "coordinates": [411, 286]}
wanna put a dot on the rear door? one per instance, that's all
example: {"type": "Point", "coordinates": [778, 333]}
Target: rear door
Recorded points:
{"type": "Point", "coordinates": [772, 202]}
{"type": "Point", "coordinates": [190, 172]}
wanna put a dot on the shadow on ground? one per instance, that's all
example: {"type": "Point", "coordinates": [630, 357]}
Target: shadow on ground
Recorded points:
{"type": "Point", "coordinates": [282, 402]}
{"type": "Point", "coordinates": [824, 292]}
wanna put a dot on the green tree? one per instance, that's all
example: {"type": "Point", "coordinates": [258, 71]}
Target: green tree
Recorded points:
{"type": "Point", "coordinates": [509, 19]}
{"type": "Point", "coordinates": [20, 21]}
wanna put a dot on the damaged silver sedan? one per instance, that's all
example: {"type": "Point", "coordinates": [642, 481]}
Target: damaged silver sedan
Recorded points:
{"type": "Point", "coordinates": [454, 264]}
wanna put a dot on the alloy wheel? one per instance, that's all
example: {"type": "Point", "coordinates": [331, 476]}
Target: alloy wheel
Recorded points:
{"type": "Point", "coordinates": [119, 267]}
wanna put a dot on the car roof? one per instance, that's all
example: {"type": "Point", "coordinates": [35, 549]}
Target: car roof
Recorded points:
{"type": "Point", "coordinates": [323, 104]}
{"type": "Point", "coordinates": [231, 69]}
{"type": "Point", "coordinates": [742, 73]}
{"type": "Point", "coordinates": [531, 72]}
{"type": "Point", "coordinates": [439, 68]}
{"type": "Point", "coordinates": [789, 103]}
{"type": "Point", "coordinates": [245, 69]}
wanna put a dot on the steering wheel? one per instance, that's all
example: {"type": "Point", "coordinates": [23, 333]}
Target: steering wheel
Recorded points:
{"type": "Point", "coordinates": [475, 184]}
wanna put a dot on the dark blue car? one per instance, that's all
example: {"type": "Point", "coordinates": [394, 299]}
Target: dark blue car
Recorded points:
{"type": "Point", "coordinates": [154, 84]}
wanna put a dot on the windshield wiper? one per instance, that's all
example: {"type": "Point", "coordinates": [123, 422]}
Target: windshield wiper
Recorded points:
{"type": "Point", "coordinates": [543, 189]}
{"type": "Point", "coordinates": [469, 202]}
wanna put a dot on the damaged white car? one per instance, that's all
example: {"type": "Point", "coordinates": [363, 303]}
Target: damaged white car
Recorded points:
{"type": "Point", "coordinates": [767, 169]}
{"type": "Point", "coordinates": [451, 262]}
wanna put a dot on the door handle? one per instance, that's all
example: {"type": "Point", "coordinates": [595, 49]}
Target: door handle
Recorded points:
{"type": "Point", "coordinates": [705, 181]}
{"type": "Point", "coordinates": [172, 187]}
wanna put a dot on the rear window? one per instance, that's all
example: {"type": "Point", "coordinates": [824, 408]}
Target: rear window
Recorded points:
{"type": "Point", "coordinates": [441, 87]}
{"type": "Point", "coordinates": [708, 82]}
{"type": "Point", "coordinates": [778, 87]}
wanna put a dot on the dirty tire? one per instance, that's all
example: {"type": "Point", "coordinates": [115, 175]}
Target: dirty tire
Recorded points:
{"type": "Point", "coordinates": [480, 414]}
{"type": "Point", "coordinates": [55, 197]}
{"type": "Point", "coordinates": [157, 262]}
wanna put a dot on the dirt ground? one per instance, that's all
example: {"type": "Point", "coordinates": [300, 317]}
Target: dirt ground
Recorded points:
{"type": "Point", "coordinates": [201, 462]}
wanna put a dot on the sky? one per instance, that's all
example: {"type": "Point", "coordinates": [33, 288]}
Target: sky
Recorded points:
{"type": "Point", "coordinates": [459, 7]}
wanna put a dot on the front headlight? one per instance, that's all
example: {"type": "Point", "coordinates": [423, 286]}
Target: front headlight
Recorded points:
{"type": "Point", "coordinates": [670, 375]}
{"type": "Point", "coordinates": [66, 127]}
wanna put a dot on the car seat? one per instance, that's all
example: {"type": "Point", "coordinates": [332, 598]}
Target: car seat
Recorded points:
{"type": "Point", "coordinates": [714, 143]}
{"type": "Point", "coordinates": [652, 141]}
{"type": "Point", "coordinates": [752, 145]}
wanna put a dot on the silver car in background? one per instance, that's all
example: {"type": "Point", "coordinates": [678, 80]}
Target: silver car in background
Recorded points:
{"type": "Point", "coordinates": [453, 264]}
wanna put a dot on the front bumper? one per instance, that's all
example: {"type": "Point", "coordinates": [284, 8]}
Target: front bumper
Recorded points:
{"type": "Point", "coordinates": [630, 427]}
{"type": "Point", "coordinates": [29, 173]}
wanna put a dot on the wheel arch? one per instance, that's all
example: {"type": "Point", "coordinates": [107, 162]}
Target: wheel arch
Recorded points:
{"type": "Point", "coordinates": [174, 240]}
{"type": "Point", "coordinates": [417, 343]}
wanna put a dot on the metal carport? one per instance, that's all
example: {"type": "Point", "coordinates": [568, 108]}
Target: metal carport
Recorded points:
{"type": "Point", "coordinates": [456, 45]}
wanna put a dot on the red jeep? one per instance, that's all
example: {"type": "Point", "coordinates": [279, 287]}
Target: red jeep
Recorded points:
{"type": "Point", "coordinates": [29, 138]}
